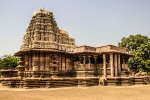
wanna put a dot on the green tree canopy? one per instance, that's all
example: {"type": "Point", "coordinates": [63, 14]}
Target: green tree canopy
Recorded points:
{"type": "Point", "coordinates": [138, 45]}
{"type": "Point", "coordinates": [9, 61]}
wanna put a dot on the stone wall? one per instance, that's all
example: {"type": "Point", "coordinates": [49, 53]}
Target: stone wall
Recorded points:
{"type": "Point", "coordinates": [109, 48]}
{"type": "Point", "coordinates": [72, 82]}
{"type": "Point", "coordinates": [123, 50]}
{"type": "Point", "coordinates": [84, 49]}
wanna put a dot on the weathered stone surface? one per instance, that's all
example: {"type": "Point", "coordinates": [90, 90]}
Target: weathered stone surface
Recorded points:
{"type": "Point", "coordinates": [50, 58]}
{"type": "Point", "coordinates": [43, 32]}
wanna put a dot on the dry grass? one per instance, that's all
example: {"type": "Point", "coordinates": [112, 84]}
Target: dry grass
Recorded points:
{"type": "Point", "coordinates": [78, 93]}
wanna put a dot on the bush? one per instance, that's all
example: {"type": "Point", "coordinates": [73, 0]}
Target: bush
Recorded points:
{"type": "Point", "coordinates": [9, 61]}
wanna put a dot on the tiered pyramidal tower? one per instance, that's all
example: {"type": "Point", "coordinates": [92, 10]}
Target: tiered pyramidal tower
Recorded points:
{"type": "Point", "coordinates": [43, 33]}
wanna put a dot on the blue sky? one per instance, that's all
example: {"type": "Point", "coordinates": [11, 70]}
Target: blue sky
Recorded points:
{"type": "Point", "coordinates": [90, 22]}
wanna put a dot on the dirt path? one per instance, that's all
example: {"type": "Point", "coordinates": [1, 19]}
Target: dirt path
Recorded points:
{"type": "Point", "coordinates": [78, 93]}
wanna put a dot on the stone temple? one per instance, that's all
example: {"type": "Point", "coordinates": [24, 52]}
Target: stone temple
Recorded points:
{"type": "Point", "coordinates": [50, 58]}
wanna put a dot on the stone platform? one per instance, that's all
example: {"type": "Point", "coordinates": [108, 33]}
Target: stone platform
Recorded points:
{"type": "Point", "coordinates": [72, 82]}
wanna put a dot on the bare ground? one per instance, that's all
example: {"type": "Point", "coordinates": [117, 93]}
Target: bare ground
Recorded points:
{"type": "Point", "coordinates": [141, 92]}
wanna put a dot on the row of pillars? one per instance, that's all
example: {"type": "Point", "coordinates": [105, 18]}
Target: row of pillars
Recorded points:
{"type": "Point", "coordinates": [115, 65]}
{"type": "Point", "coordinates": [41, 61]}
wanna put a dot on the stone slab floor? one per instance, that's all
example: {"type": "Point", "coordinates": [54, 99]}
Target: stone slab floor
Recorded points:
{"type": "Point", "coordinates": [140, 92]}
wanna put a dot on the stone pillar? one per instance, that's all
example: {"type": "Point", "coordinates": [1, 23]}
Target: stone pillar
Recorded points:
{"type": "Point", "coordinates": [111, 65]}
{"type": "Point", "coordinates": [61, 61]}
{"type": "Point", "coordinates": [33, 61]}
{"type": "Point", "coordinates": [119, 66]}
{"type": "Point", "coordinates": [59, 57]}
{"type": "Point", "coordinates": [89, 59]}
{"type": "Point", "coordinates": [65, 62]}
{"type": "Point", "coordinates": [50, 62]}
{"type": "Point", "coordinates": [34, 65]}
{"type": "Point", "coordinates": [46, 60]}
{"type": "Point", "coordinates": [80, 59]}
{"type": "Point", "coordinates": [37, 61]}
{"type": "Point", "coordinates": [116, 66]}
{"type": "Point", "coordinates": [84, 59]}
{"type": "Point", "coordinates": [104, 65]}
{"type": "Point", "coordinates": [95, 59]}
{"type": "Point", "coordinates": [21, 67]}
{"type": "Point", "coordinates": [30, 62]}
{"type": "Point", "coordinates": [89, 62]}
{"type": "Point", "coordinates": [41, 61]}
{"type": "Point", "coordinates": [26, 62]}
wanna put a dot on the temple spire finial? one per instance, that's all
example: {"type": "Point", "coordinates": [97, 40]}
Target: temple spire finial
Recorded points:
{"type": "Point", "coordinates": [43, 8]}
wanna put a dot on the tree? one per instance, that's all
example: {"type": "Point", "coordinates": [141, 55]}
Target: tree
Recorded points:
{"type": "Point", "coordinates": [139, 46]}
{"type": "Point", "coordinates": [9, 61]}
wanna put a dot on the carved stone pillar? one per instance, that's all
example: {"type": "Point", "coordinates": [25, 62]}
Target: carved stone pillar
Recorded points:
{"type": "Point", "coordinates": [41, 61]}
{"type": "Point", "coordinates": [89, 59]}
{"type": "Point", "coordinates": [80, 59]}
{"type": "Point", "coordinates": [33, 60]}
{"type": "Point", "coordinates": [111, 65]}
{"type": "Point", "coordinates": [26, 62]}
{"type": "Point", "coordinates": [119, 66]}
{"type": "Point", "coordinates": [84, 59]}
{"type": "Point", "coordinates": [61, 61]}
{"type": "Point", "coordinates": [21, 67]}
{"type": "Point", "coordinates": [30, 62]}
{"type": "Point", "coordinates": [65, 62]}
{"type": "Point", "coordinates": [46, 61]}
{"type": "Point", "coordinates": [104, 65]}
{"type": "Point", "coordinates": [116, 66]}
{"type": "Point", "coordinates": [95, 59]}
{"type": "Point", "coordinates": [36, 60]}
{"type": "Point", "coordinates": [60, 68]}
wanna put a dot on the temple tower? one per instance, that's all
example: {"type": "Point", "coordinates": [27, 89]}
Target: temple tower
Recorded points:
{"type": "Point", "coordinates": [43, 33]}
{"type": "Point", "coordinates": [44, 46]}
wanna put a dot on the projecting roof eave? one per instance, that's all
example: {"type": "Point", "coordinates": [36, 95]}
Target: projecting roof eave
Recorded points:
{"type": "Point", "coordinates": [117, 52]}
{"type": "Point", "coordinates": [102, 52]}
{"type": "Point", "coordinates": [83, 52]}
{"type": "Point", "coordinates": [19, 53]}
